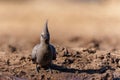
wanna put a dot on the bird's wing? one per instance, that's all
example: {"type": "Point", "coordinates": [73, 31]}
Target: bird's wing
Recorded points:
{"type": "Point", "coordinates": [34, 52]}
{"type": "Point", "coordinates": [53, 51]}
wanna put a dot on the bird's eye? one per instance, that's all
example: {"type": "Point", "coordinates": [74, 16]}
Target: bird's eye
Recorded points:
{"type": "Point", "coordinates": [42, 36]}
{"type": "Point", "coordinates": [45, 36]}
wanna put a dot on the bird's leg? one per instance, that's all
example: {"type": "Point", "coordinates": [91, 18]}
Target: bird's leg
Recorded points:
{"type": "Point", "coordinates": [37, 68]}
{"type": "Point", "coordinates": [49, 68]}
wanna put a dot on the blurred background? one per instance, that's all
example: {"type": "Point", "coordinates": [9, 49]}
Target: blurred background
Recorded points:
{"type": "Point", "coordinates": [85, 33]}
{"type": "Point", "coordinates": [25, 19]}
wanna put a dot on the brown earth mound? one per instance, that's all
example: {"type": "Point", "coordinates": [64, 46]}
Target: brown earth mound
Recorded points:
{"type": "Point", "coordinates": [82, 63]}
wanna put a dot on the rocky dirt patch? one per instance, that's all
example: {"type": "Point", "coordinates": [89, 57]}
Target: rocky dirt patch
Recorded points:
{"type": "Point", "coordinates": [88, 63]}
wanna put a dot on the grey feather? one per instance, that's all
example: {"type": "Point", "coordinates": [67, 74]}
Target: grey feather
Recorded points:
{"type": "Point", "coordinates": [34, 52]}
{"type": "Point", "coordinates": [44, 53]}
{"type": "Point", "coordinates": [53, 51]}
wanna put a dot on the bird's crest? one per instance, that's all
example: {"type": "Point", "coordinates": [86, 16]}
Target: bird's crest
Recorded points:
{"type": "Point", "coordinates": [45, 33]}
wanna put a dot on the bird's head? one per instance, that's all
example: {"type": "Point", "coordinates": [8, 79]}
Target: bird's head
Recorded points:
{"type": "Point", "coordinates": [45, 36]}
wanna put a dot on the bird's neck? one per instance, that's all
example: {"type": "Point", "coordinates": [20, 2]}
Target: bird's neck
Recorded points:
{"type": "Point", "coordinates": [44, 43]}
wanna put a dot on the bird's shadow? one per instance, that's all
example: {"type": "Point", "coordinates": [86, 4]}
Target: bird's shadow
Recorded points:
{"type": "Point", "coordinates": [89, 71]}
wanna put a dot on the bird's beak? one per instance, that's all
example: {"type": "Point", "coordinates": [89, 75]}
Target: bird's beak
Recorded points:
{"type": "Point", "coordinates": [45, 36]}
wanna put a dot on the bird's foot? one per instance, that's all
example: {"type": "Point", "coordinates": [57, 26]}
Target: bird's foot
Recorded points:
{"type": "Point", "coordinates": [49, 70]}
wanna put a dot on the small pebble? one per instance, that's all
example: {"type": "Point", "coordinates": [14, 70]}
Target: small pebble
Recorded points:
{"type": "Point", "coordinates": [92, 50]}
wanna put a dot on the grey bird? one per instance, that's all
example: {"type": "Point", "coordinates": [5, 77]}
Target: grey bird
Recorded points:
{"type": "Point", "coordinates": [44, 52]}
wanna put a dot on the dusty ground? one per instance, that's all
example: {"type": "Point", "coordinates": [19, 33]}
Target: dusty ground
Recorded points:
{"type": "Point", "coordinates": [86, 37]}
